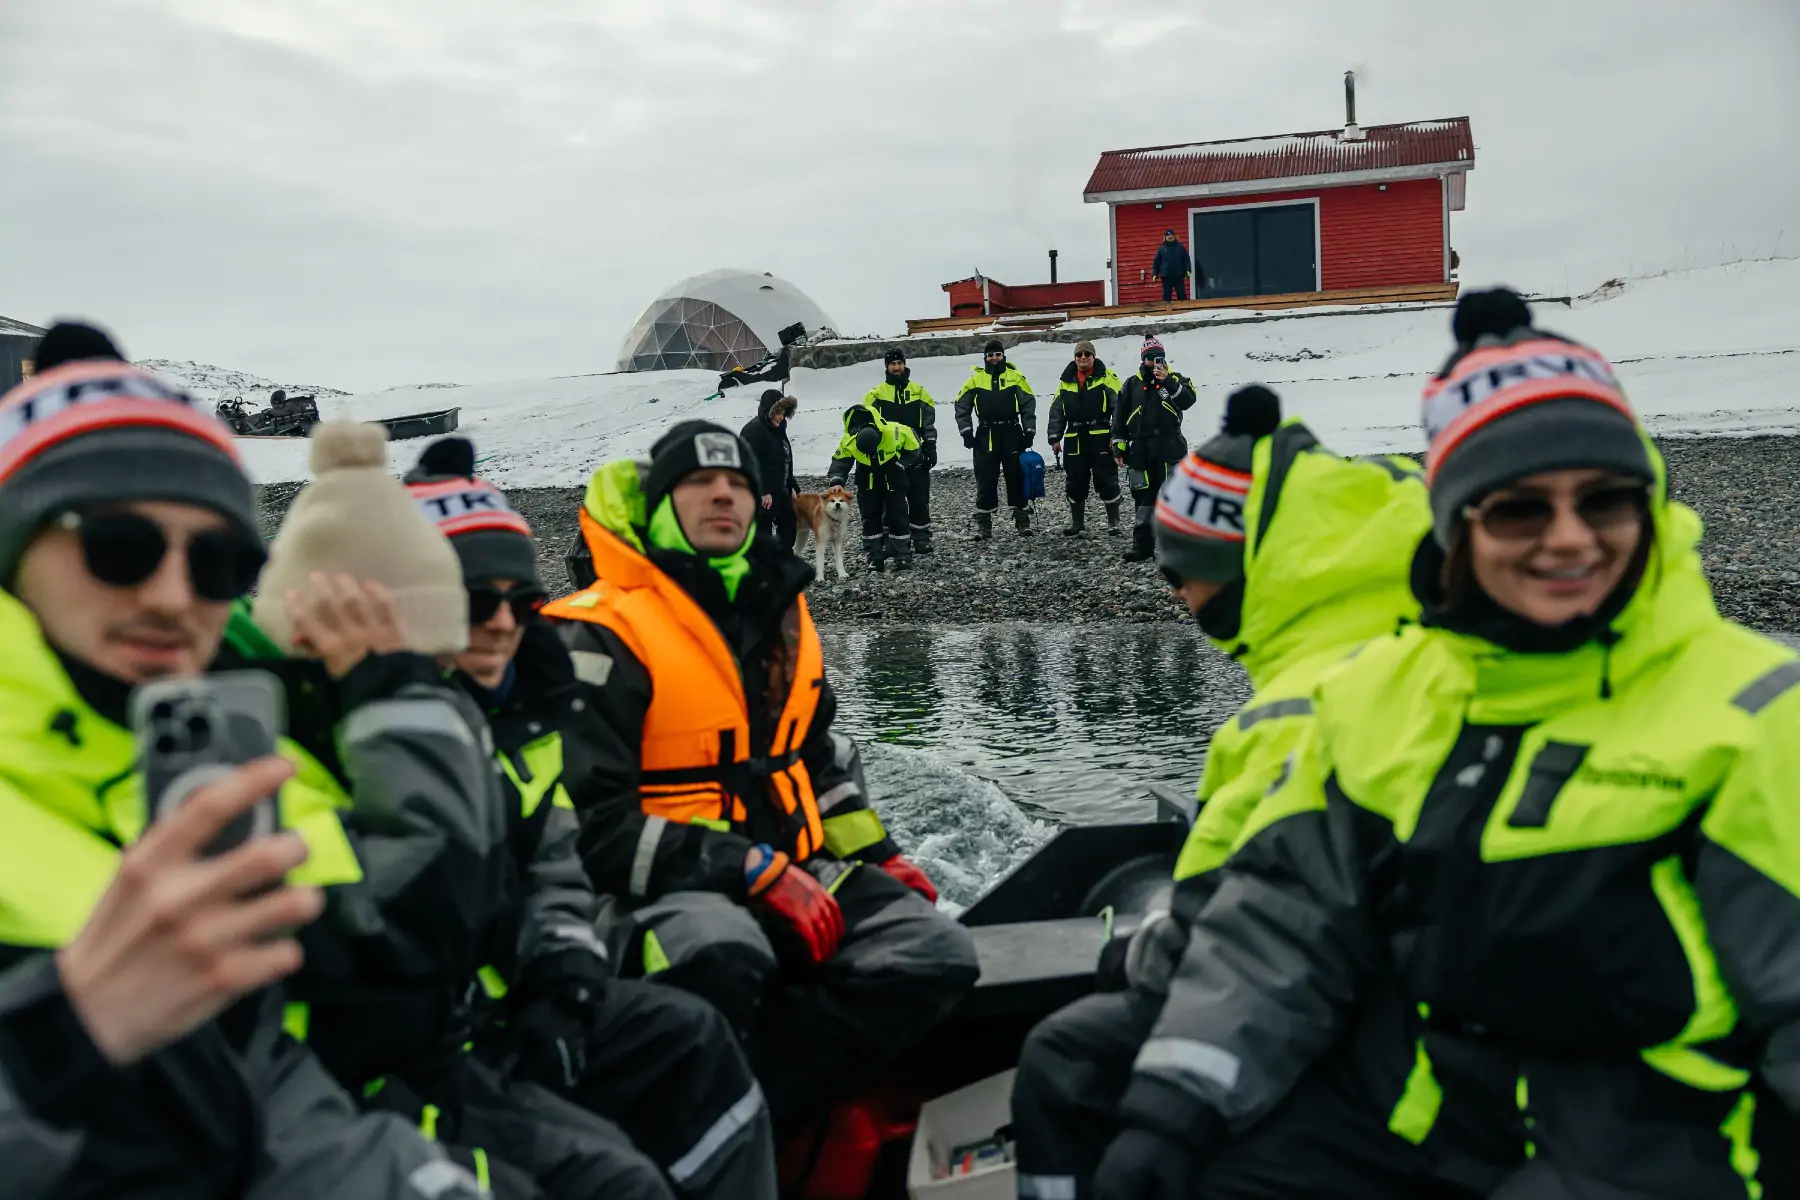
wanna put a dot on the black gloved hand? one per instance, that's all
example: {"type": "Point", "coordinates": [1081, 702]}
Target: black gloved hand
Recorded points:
{"type": "Point", "coordinates": [549, 1034]}
{"type": "Point", "coordinates": [968, 441]}
{"type": "Point", "coordinates": [1141, 1165]}
{"type": "Point", "coordinates": [930, 454]}
{"type": "Point", "coordinates": [551, 1013]}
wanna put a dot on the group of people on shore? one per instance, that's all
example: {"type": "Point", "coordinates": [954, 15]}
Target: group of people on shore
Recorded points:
{"type": "Point", "coordinates": [1096, 426]}
{"type": "Point", "coordinates": [1494, 889]}
{"type": "Point", "coordinates": [534, 900]}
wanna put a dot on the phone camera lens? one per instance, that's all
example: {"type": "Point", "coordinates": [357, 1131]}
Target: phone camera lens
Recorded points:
{"type": "Point", "coordinates": [165, 743]}
{"type": "Point", "coordinates": [199, 731]}
{"type": "Point", "coordinates": [162, 710]}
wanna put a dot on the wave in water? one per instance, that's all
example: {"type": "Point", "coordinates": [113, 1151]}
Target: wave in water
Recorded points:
{"type": "Point", "coordinates": [962, 829]}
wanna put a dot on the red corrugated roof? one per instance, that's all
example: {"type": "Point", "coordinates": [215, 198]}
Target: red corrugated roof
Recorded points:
{"type": "Point", "coordinates": [1248, 160]}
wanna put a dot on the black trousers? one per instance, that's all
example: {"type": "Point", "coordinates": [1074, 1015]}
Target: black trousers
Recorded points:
{"type": "Point", "coordinates": [1320, 1144]}
{"type": "Point", "coordinates": [818, 1034]}
{"type": "Point", "coordinates": [1610, 1129]}
{"type": "Point", "coordinates": [990, 465]}
{"type": "Point", "coordinates": [918, 498]}
{"type": "Point", "coordinates": [1175, 289]}
{"type": "Point", "coordinates": [665, 1066]}
{"type": "Point", "coordinates": [570, 1153]}
{"type": "Point", "coordinates": [778, 520]}
{"type": "Point", "coordinates": [1093, 464]}
{"type": "Point", "coordinates": [881, 499]}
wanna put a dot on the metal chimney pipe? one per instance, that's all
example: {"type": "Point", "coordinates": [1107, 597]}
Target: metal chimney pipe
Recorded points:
{"type": "Point", "coordinates": [1349, 98]}
{"type": "Point", "coordinates": [1053, 266]}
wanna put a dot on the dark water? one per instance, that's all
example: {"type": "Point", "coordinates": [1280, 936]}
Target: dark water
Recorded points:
{"type": "Point", "coordinates": [1072, 722]}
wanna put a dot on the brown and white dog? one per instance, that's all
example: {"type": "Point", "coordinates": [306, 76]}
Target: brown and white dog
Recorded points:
{"type": "Point", "coordinates": [826, 515]}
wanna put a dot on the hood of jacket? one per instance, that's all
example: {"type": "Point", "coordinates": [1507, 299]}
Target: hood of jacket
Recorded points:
{"type": "Point", "coordinates": [1327, 554]}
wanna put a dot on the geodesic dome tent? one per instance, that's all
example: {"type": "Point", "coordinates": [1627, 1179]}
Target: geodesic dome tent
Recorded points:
{"type": "Point", "coordinates": [717, 321]}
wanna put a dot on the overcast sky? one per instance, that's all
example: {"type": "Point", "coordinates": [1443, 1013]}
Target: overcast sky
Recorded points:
{"type": "Point", "coordinates": [369, 192]}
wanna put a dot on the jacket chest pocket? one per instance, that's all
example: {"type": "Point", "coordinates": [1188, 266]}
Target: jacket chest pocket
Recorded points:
{"type": "Point", "coordinates": [1570, 795]}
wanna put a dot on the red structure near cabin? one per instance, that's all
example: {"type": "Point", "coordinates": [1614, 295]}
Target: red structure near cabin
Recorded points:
{"type": "Point", "coordinates": [1336, 210]}
{"type": "Point", "coordinates": [979, 296]}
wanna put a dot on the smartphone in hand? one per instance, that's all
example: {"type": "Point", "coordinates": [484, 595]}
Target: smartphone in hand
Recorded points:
{"type": "Point", "coordinates": [192, 732]}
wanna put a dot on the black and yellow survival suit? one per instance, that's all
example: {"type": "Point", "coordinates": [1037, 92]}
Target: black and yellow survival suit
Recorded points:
{"type": "Point", "coordinates": [396, 1027]}
{"type": "Point", "coordinates": [996, 413]}
{"type": "Point", "coordinates": [900, 401]}
{"type": "Point", "coordinates": [1081, 415]}
{"type": "Point", "coordinates": [236, 1107]}
{"type": "Point", "coordinates": [709, 732]}
{"type": "Point", "coordinates": [1577, 865]}
{"type": "Point", "coordinates": [1327, 563]}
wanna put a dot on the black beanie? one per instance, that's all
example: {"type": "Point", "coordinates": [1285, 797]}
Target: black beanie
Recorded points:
{"type": "Point", "coordinates": [896, 355]}
{"type": "Point", "coordinates": [491, 539]}
{"type": "Point", "coordinates": [695, 446]}
{"type": "Point", "coordinates": [868, 440]}
{"type": "Point", "coordinates": [993, 347]}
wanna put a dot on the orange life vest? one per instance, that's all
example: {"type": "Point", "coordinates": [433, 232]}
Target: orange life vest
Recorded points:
{"type": "Point", "coordinates": [696, 761]}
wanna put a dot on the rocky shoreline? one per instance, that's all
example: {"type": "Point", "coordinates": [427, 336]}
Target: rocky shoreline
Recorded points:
{"type": "Point", "coordinates": [1746, 489]}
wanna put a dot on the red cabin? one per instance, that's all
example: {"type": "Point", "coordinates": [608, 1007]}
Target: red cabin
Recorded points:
{"type": "Point", "coordinates": [1334, 211]}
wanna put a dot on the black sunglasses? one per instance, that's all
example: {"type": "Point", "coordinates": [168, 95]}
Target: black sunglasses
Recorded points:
{"type": "Point", "coordinates": [485, 602]}
{"type": "Point", "coordinates": [124, 549]}
{"type": "Point", "coordinates": [1525, 518]}
{"type": "Point", "coordinates": [1084, 354]}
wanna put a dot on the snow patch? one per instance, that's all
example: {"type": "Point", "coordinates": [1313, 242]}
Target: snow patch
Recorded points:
{"type": "Point", "coordinates": [208, 382]}
{"type": "Point", "coordinates": [1701, 351]}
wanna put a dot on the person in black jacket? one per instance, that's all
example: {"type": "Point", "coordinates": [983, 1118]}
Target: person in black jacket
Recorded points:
{"type": "Point", "coordinates": [1147, 438]}
{"type": "Point", "coordinates": [1173, 266]}
{"type": "Point", "coordinates": [661, 1063]}
{"type": "Point", "coordinates": [766, 435]}
{"type": "Point", "coordinates": [141, 1044]}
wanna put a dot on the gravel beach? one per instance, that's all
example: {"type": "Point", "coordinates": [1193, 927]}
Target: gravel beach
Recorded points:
{"type": "Point", "coordinates": [1746, 489]}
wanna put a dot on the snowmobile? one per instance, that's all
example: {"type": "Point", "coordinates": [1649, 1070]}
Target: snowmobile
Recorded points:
{"type": "Point", "coordinates": [285, 417]}
{"type": "Point", "coordinates": [1041, 934]}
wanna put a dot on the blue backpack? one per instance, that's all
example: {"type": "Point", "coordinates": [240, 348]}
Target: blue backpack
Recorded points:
{"type": "Point", "coordinates": [1033, 464]}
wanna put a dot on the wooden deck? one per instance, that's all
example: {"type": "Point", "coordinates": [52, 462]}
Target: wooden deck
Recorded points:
{"type": "Point", "coordinates": [1427, 293]}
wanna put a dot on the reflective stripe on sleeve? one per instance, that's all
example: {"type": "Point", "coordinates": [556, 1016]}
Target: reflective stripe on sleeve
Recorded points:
{"type": "Point", "coordinates": [846, 790]}
{"type": "Point", "coordinates": [440, 1177]}
{"type": "Point", "coordinates": [1046, 1187]}
{"type": "Point", "coordinates": [645, 858]}
{"type": "Point", "coordinates": [382, 717]}
{"type": "Point", "coordinates": [855, 830]}
{"type": "Point", "coordinates": [1202, 1060]}
{"type": "Point", "coordinates": [718, 1135]}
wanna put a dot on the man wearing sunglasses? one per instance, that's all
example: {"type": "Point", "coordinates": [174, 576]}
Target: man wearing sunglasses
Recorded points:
{"type": "Point", "coordinates": [660, 1062]}
{"type": "Point", "coordinates": [997, 417]}
{"type": "Point", "coordinates": [1082, 412]}
{"type": "Point", "coordinates": [1147, 438]}
{"type": "Point", "coordinates": [145, 1055]}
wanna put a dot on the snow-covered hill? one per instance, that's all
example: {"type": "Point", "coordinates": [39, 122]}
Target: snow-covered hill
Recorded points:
{"type": "Point", "coordinates": [215, 383]}
{"type": "Point", "coordinates": [1714, 351]}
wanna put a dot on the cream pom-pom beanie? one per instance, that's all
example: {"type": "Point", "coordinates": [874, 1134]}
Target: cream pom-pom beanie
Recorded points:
{"type": "Point", "coordinates": [356, 519]}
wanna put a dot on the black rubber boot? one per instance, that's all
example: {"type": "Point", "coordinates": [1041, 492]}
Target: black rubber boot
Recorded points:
{"type": "Point", "coordinates": [984, 525]}
{"type": "Point", "coordinates": [1077, 520]}
{"type": "Point", "coordinates": [1143, 544]}
{"type": "Point", "coordinates": [872, 546]}
{"type": "Point", "coordinates": [921, 539]}
{"type": "Point", "coordinates": [901, 550]}
{"type": "Point", "coordinates": [1112, 519]}
{"type": "Point", "coordinates": [1022, 521]}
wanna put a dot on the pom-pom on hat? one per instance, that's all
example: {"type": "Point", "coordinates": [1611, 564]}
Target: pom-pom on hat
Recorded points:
{"type": "Point", "coordinates": [1151, 347]}
{"type": "Point", "coordinates": [90, 429]}
{"type": "Point", "coordinates": [492, 540]}
{"type": "Point", "coordinates": [1200, 512]}
{"type": "Point", "coordinates": [354, 518]}
{"type": "Point", "coordinates": [1513, 401]}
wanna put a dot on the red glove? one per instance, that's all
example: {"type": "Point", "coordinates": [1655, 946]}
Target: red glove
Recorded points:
{"type": "Point", "coordinates": [797, 898]}
{"type": "Point", "coordinates": [908, 872]}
